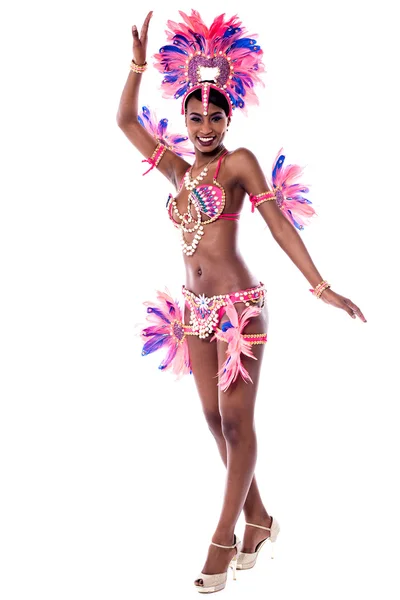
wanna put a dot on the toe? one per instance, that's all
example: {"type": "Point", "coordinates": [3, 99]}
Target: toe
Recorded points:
{"type": "Point", "coordinates": [198, 582]}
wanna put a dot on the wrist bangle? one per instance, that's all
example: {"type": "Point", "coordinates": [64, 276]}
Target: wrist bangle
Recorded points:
{"type": "Point", "coordinates": [317, 291]}
{"type": "Point", "coordinates": [137, 68]}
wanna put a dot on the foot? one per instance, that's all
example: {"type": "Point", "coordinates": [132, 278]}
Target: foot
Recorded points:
{"type": "Point", "coordinates": [218, 559]}
{"type": "Point", "coordinates": [253, 535]}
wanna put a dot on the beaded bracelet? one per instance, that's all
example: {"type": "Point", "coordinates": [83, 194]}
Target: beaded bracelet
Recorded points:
{"type": "Point", "coordinates": [317, 291]}
{"type": "Point", "coordinates": [137, 68]}
{"type": "Point", "coordinates": [260, 198]}
{"type": "Point", "coordinates": [155, 158]}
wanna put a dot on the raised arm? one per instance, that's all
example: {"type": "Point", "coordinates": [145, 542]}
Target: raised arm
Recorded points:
{"type": "Point", "coordinates": [170, 165]}
{"type": "Point", "coordinates": [252, 179]}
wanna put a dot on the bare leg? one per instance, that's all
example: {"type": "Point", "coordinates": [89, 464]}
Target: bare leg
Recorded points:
{"type": "Point", "coordinates": [236, 440]}
{"type": "Point", "coordinates": [254, 509]}
{"type": "Point", "coordinates": [204, 361]}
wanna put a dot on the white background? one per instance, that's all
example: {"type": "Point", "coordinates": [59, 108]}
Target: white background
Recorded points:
{"type": "Point", "coordinates": [111, 484]}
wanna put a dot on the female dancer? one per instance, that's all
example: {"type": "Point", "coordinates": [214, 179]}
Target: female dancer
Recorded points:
{"type": "Point", "coordinates": [224, 301]}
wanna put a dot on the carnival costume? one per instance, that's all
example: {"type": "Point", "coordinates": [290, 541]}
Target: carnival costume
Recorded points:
{"type": "Point", "coordinates": [223, 58]}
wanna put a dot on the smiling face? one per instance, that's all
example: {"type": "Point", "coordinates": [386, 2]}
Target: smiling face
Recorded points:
{"type": "Point", "coordinates": [206, 132]}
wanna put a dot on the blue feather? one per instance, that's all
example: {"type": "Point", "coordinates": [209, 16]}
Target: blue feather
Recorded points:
{"type": "Point", "coordinates": [200, 40]}
{"type": "Point", "coordinates": [239, 88]}
{"type": "Point", "coordinates": [173, 49]}
{"type": "Point", "coordinates": [278, 165]}
{"type": "Point", "coordinates": [227, 325]}
{"type": "Point", "coordinates": [300, 199]}
{"type": "Point", "coordinates": [171, 77]}
{"type": "Point", "coordinates": [230, 32]}
{"type": "Point", "coordinates": [155, 330]}
{"type": "Point", "coordinates": [234, 101]}
{"type": "Point", "coordinates": [231, 97]}
{"type": "Point", "coordinates": [297, 188]}
{"type": "Point", "coordinates": [158, 312]}
{"type": "Point", "coordinates": [171, 357]}
{"type": "Point", "coordinates": [244, 43]}
{"type": "Point", "coordinates": [178, 140]}
{"type": "Point", "coordinates": [295, 223]}
{"type": "Point", "coordinates": [154, 344]}
{"type": "Point", "coordinates": [180, 40]}
{"type": "Point", "coordinates": [140, 121]}
{"type": "Point", "coordinates": [181, 91]}
{"type": "Point", "coordinates": [171, 308]}
{"type": "Point", "coordinates": [162, 127]}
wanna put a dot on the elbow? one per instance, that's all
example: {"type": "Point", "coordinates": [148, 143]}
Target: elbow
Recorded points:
{"type": "Point", "coordinates": [282, 230]}
{"type": "Point", "coordinates": [120, 120]}
{"type": "Point", "coordinates": [277, 227]}
{"type": "Point", "coordinates": [124, 121]}
{"type": "Point", "coordinates": [277, 233]}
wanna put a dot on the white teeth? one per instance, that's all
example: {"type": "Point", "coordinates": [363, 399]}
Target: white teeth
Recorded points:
{"type": "Point", "coordinates": [206, 139]}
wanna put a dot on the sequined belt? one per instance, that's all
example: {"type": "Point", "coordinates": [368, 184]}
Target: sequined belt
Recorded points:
{"type": "Point", "coordinates": [206, 312]}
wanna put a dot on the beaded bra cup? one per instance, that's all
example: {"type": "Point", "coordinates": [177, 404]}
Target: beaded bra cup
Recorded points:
{"type": "Point", "coordinates": [208, 200]}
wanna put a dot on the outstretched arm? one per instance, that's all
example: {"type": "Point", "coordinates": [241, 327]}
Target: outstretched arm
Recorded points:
{"type": "Point", "coordinates": [253, 180]}
{"type": "Point", "coordinates": [171, 165]}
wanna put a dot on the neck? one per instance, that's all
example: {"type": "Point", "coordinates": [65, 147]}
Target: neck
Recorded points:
{"type": "Point", "coordinates": [204, 158]}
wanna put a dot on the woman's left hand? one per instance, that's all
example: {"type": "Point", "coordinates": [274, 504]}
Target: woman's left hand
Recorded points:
{"type": "Point", "coordinates": [331, 297]}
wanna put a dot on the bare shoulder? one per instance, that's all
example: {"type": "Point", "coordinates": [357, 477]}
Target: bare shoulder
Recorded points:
{"type": "Point", "coordinates": [243, 154]}
{"type": "Point", "coordinates": [242, 163]}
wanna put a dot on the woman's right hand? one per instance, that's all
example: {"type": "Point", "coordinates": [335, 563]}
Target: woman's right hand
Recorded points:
{"type": "Point", "coordinates": [140, 43]}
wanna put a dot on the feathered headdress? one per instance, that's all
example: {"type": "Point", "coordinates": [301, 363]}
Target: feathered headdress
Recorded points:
{"type": "Point", "coordinates": [223, 54]}
{"type": "Point", "coordinates": [159, 130]}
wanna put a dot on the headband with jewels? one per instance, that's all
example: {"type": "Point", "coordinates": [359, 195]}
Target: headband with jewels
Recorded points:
{"type": "Point", "coordinates": [221, 57]}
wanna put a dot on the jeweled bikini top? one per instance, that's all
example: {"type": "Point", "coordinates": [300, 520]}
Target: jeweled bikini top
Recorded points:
{"type": "Point", "coordinates": [208, 200]}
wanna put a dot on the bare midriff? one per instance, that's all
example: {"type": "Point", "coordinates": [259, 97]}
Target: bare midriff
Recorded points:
{"type": "Point", "coordinates": [217, 266]}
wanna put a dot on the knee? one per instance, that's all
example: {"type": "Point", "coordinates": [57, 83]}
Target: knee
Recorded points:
{"type": "Point", "coordinates": [235, 430]}
{"type": "Point", "coordinates": [214, 423]}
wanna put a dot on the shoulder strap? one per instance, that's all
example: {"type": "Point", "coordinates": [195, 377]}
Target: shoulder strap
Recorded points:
{"type": "Point", "coordinates": [219, 164]}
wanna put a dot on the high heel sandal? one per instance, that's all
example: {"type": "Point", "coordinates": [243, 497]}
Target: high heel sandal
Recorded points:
{"type": "Point", "coordinates": [247, 560]}
{"type": "Point", "coordinates": [214, 583]}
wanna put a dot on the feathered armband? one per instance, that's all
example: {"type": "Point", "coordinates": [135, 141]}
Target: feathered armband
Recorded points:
{"type": "Point", "coordinates": [175, 142]}
{"type": "Point", "coordinates": [288, 193]}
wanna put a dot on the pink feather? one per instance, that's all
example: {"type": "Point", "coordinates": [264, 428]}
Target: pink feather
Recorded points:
{"type": "Point", "coordinates": [159, 129]}
{"type": "Point", "coordinates": [237, 345]}
{"type": "Point", "coordinates": [223, 38]}
{"type": "Point", "coordinates": [166, 330]}
{"type": "Point", "coordinates": [289, 193]}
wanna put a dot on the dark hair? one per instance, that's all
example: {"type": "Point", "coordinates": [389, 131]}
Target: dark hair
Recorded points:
{"type": "Point", "coordinates": [215, 98]}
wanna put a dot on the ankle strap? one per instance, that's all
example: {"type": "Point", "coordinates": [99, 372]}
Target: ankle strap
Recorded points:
{"type": "Point", "coordinates": [233, 546]}
{"type": "Point", "coordinates": [260, 526]}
